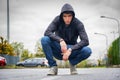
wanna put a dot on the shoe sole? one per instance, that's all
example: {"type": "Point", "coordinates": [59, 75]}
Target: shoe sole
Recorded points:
{"type": "Point", "coordinates": [51, 74]}
{"type": "Point", "coordinates": [74, 73]}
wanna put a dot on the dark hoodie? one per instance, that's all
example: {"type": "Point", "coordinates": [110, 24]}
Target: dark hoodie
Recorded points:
{"type": "Point", "coordinates": [57, 30]}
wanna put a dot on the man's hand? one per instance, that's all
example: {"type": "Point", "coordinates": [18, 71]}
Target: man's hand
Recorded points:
{"type": "Point", "coordinates": [63, 46]}
{"type": "Point", "coordinates": [66, 55]}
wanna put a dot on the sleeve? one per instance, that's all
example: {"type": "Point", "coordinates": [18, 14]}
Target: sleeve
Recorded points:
{"type": "Point", "coordinates": [83, 37]}
{"type": "Point", "coordinates": [50, 31]}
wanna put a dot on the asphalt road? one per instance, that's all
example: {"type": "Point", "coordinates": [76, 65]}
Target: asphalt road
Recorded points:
{"type": "Point", "coordinates": [64, 74]}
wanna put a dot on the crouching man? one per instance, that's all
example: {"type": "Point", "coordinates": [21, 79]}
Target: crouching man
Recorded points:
{"type": "Point", "coordinates": [60, 41]}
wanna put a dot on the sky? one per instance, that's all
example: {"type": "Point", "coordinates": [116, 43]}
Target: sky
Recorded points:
{"type": "Point", "coordinates": [30, 18]}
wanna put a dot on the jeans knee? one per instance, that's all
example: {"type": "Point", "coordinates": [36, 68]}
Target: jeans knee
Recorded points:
{"type": "Point", "coordinates": [87, 51]}
{"type": "Point", "coordinates": [45, 40]}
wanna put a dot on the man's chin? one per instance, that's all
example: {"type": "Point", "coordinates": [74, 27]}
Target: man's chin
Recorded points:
{"type": "Point", "coordinates": [67, 23]}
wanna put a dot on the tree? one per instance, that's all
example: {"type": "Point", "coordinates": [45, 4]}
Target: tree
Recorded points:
{"type": "Point", "coordinates": [39, 50]}
{"type": "Point", "coordinates": [18, 48]}
{"type": "Point", "coordinates": [31, 55]}
{"type": "Point", "coordinates": [5, 47]}
{"type": "Point", "coordinates": [113, 53]}
{"type": "Point", "coordinates": [25, 54]}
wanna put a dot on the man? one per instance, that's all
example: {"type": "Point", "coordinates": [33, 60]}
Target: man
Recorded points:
{"type": "Point", "coordinates": [60, 41]}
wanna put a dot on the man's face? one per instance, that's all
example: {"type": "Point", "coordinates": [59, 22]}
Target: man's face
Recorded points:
{"type": "Point", "coordinates": [67, 18]}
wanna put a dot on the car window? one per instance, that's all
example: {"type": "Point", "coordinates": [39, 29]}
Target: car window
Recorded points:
{"type": "Point", "coordinates": [35, 60]}
{"type": "Point", "coordinates": [28, 60]}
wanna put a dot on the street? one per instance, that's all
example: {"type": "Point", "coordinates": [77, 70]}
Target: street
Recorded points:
{"type": "Point", "coordinates": [63, 74]}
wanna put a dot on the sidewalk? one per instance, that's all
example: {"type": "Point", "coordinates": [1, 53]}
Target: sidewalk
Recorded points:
{"type": "Point", "coordinates": [63, 74]}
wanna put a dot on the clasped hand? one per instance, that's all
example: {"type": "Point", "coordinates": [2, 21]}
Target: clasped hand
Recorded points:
{"type": "Point", "coordinates": [65, 52]}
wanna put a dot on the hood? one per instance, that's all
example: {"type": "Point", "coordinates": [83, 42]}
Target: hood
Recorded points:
{"type": "Point", "coordinates": [65, 8]}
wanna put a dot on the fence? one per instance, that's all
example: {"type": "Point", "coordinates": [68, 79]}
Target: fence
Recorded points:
{"type": "Point", "coordinates": [11, 59]}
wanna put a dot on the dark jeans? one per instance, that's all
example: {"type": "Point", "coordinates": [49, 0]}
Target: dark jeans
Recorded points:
{"type": "Point", "coordinates": [52, 49]}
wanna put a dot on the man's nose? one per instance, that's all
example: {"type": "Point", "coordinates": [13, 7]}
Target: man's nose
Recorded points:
{"type": "Point", "coordinates": [67, 18]}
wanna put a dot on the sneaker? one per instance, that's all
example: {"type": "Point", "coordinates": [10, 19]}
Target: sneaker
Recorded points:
{"type": "Point", "coordinates": [73, 70]}
{"type": "Point", "coordinates": [53, 71]}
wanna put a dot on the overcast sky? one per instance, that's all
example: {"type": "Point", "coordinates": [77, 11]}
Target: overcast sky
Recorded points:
{"type": "Point", "coordinates": [30, 18]}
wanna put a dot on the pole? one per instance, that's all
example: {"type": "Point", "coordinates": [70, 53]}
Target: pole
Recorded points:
{"type": "Point", "coordinates": [118, 32]}
{"type": "Point", "coordinates": [8, 30]}
{"type": "Point", "coordinates": [115, 20]}
{"type": "Point", "coordinates": [106, 46]}
{"type": "Point", "coordinates": [105, 37]}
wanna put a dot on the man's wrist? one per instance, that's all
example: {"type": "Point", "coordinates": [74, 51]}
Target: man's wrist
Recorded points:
{"type": "Point", "coordinates": [70, 49]}
{"type": "Point", "coordinates": [61, 40]}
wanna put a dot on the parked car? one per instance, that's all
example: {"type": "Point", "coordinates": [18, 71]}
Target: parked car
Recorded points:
{"type": "Point", "coordinates": [3, 61]}
{"type": "Point", "coordinates": [33, 62]}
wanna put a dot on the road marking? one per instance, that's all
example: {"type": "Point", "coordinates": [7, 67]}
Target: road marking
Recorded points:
{"type": "Point", "coordinates": [50, 78]}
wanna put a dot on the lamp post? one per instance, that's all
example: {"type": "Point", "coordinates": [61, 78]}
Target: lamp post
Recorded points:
{"type": "Point", "coordinates": [105, 37]}
{"type": "Point", "coordinates": [115, 20]}
{"type": "Point", "coordinates": [106, 45]}
{"type": "Point", "coordinates": [8, 30]}
{"type": "Point", "coordinates": [118, 30]}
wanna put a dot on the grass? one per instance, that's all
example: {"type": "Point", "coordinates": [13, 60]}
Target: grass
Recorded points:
{"type": "Point", "coordinates": [11, 67]}
{"type": "Point", "coordinates": [17, 67]}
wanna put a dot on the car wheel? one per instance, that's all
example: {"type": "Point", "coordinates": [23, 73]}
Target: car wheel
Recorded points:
{"type": "Point", "coordinates": [2, 64]}
{"type": "Point", "coordinates": [39, 65]}
{"type": "Point", "coordinates": [20, 65]}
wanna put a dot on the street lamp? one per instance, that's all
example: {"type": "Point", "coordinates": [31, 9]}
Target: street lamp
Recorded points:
{"type": "Point", "coordinates": [106, 46]}
{"type": "Point", "coordinates": [118, 29]}
{"type": "Point", "coordinates": [8, 31]}
{"type": "Point", "coordinates": [105, 37]}
{"type": "Point", "coordinates": [115, 20]}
